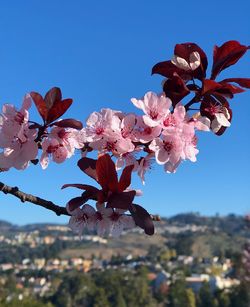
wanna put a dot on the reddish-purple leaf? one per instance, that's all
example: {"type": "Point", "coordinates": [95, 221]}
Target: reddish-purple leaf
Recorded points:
{"type": "Point", "coordinates": [244, 82]}
{"type": "Point", "coordinates": [125, 179]}
{"type": "Point", "coordinates": [106, 173]}
{"type": "Point", "coordinates": [69, 123]}
{"type": "Point", "coordinates": [210, 86]}
{"type": "Point", "coordinates": [85, 187]}
{"type": "Point", "coordinates": [142, 219]}
{"type": "Point", "coordinates": [40, 104]}
{"type": "Point", "coordinates": [58, 109]}
{"type": "Point", "coordinates": [88, 166]}
{"type": "Point", "coordinates": [226, 55]}
{"type": "Point", "coordinates": [76, 202]}
{"type": "Point", "coordinates": [175, 89]}
{"type": "Point", "coordinates": [224, 89]}
{"type": "Point", "coordinates": [121, 200]}
{"type": "Point", "coordinates": [166, 69]}
{"type": "Point", "coordinates": [53, 95]}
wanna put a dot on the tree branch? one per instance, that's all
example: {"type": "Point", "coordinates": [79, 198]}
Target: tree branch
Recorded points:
{"type": "Point", "coordinates": [43, 202]}
{"type": "Point", "coordinates": [33, 199]}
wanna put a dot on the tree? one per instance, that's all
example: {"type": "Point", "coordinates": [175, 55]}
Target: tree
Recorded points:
{"type": "Point", "coordinates": [205, 297]}
{"type": "Point", "coordinates": [165, 134]}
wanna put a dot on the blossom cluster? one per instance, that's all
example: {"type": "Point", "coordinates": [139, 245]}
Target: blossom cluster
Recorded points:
{"type": "Point", "coordinates": [164, 132]}
{"type": "Point", "coordinates": [105, 221]}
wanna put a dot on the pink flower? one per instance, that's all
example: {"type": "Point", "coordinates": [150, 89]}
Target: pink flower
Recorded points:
{"type": "Point", "coordinates": [12, 122]}
{"type": "Point", "coordinates": [81, 218]}
{"type": "Point", "coordinates": [113, 142]}
{"type": "Point", "coordinates": [69, 137]}
{"type": "Point", "coordinates": [21, 150]}
{"type": "Point", "coordinates": [167, 149]}
{"type": "Point", "coordinates": [155, 107]}
{"type": "Point", "coordinates": [189, 140]}
{"type": "Point", "coordinates": [112, 221]}
{"type": "Point", "coordinates": [120, 222]}
{"type": "Point", "coordinates": [103, 224]}
{"type": "Point", "coordinates": [176, 119]}
{"type": "Point", "coordinates": [100, 124]}
{"type": "Point", "coordinates": [144, 133]}
{"type": "Point", "coordinates": [126, 159]}
{"type": "Point", "coordinates": [52, 147]}
{"type": "Point", "coordinates": [127, 125]}
{"type": "Point", "coordinates": [145, 164]}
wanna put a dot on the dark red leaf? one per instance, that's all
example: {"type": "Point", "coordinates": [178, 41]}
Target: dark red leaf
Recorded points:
{"type": "Point", "coordinates": [125, 179]}
{"type": "Point", "coordinates": [142, 219]}
{"type": "Point", "coordinates": [76, 202]}
{"type": "Point", "coordinates": [175, 89]}
{"type": "Point", "coordinates": [53, 95]}
{"type": "Point", "coordinates": [88, 166]}
{"type": "Point", "coordinates": [121, 200]}
{"type": "Point", "coordinates": [244, 82]}
{"type": "Point", "coordinates": [167, 69]}
{"type": "Point", "coordinates": [224, 89]}
{"type": "Point", "coordinates": [226, 55]}
{"type": "Point", "coordinates": [85, 187]}
{"type": "Point", "coordinates": [58, 109]}
{"type": "Point", "coordinates": [40, 104]}
{"type": "Point", "coordinates": [106, 173]}
{"type": "Point", "coordinates": [69, 123]}
{"type": "Point", "coordinates": [210, 86]}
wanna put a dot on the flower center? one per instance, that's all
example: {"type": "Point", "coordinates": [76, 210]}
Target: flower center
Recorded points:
{"type": "Point", "coordinates": [148, 130]}
{"type": "Point", "coordinates": [153, 114]}
{"type": "Point", "coordinates": [168, 146]}
{"type": "Point", "coordinates": [99, 130]}
{"type": "Point", "coordinates": [169, 121]}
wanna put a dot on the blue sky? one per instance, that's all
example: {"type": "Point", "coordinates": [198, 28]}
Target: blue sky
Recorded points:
{"type": "Point", "coordinates": [100, 53]}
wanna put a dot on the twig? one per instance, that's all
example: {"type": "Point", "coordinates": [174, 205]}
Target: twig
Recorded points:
{"type": "Point", "coordinates": [33, 199]}
{"type": "Point", "coordinates": [43, 202]}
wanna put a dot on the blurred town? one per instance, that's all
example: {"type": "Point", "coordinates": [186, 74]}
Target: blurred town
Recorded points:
{"type": "Point", "coordinates": [191, 261]}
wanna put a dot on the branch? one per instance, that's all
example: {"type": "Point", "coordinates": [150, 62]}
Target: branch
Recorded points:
{"type": "Point", "coordinates": [43, 202]}
{"type": "Point", "coordinates": [33, 199]}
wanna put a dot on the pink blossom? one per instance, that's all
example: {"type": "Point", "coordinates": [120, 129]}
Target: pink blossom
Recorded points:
{"type": "Point", "coordinates": [126, 159]}
{"type": "Point", "coordinates": [70, 138]}
{"type": "Point", "coordinates": [113, 142]}
{"type": "Point", "coordinates": [112, 221]}
{"type": "Point", "coordinates": [127, 125]}
{"type": "Point", "coordinates": [103, 224]}
{"type": "Point", "coordinates": [119, 222]}
{"type": "Point", "coordinates": [155, 108]}
{"type": "Point", "coordinates": [167, 149]}
{"type": "Point", "coordinates": [81, 218]}
{"type": "Point", "coordinates": [100, 124]}
{"type": "Point", "coordinates": [176, 119]}
{"type": "Point", "coordinates": [52, 147]}
{"type": "Point", "coordinates": [21, 150]}
{"type": "Point", "coordinates": [144, 133]}
{"type": "Point", "coordinates": [145, 164]}
{"type": "Point", "coordinates": [189, 140]}
{"type": "Point", "coordinates": [12, 122]}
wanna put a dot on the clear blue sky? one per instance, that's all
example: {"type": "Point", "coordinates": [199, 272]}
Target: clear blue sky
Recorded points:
{"type": "Point", "coordinates": [100, 53]}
